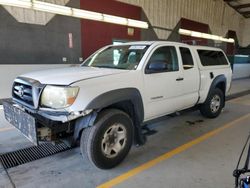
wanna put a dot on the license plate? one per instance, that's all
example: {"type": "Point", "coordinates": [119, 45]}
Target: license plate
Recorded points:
{"type": "Point", "coordinates": [24, 122]}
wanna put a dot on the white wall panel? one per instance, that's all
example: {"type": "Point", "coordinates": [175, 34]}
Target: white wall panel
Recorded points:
{"type": "Point", "coordinates": [241, 71]}
{"type": "Point", "coordinates": [216, 13]}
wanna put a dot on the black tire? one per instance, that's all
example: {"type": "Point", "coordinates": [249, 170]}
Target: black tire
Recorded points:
{"type": "Point", "coordinates": [206, 109]}
{"type": "Point", "coordinates": [92, 146]}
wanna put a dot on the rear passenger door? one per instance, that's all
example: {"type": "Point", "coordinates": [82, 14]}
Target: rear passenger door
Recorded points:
{"type": "Point", "coordinates": [191, 78]}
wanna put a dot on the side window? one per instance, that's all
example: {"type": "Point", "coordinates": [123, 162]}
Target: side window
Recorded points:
{"type": "Point", "coordinates": [222, 59]}
{"type": "Point", "coordinates": [165, 55]}
{"type": "Point", "coordinates": [187, 59]}
{"type": "Point", "coordinates": [212, 58]}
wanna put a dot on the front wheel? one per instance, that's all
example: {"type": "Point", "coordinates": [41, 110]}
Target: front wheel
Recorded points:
{"type": "Point", "coordinates": [108, 142]}
{"type": "Point", "coordinates": [213, 104]}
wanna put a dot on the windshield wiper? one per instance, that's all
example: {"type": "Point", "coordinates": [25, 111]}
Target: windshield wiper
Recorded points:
{"type": "Point", "coordinates": [104, 66]}
{"type": "Point", "coordinates": [109, 67]}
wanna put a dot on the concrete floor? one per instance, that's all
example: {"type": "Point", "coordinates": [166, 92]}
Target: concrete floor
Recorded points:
{"type": "Point", "coordinates": [208, 164]}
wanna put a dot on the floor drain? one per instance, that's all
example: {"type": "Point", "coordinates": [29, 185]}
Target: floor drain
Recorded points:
{"type": "Point", "coordinates": [33, 153]}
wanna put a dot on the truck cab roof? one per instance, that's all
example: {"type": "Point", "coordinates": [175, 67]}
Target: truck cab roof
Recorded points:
{"type": "Point", "coordinates": [149, 43]}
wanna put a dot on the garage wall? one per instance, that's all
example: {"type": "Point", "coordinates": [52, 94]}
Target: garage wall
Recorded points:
{"type": "Point", "coordinates": [246, 33]}
{"type": "Point", "coordinates": [98, 34]}
{"type": "Point", "coordinates": [34, 17]}
{"type": "Point", "coordinates": [193, 25]}
{"type": "Point", "coordinates": [217, 14]}
{"type": "Point", "coordinates": [241, 71]}
{"type": "Point", "coordinates": [42, 39]}
{"type": "Point", "coordinates": [32, 40]}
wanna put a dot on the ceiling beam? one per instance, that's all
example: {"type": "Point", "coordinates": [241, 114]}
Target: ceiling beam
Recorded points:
{"type": "Point", "coordinates": [245, 13]}
{"type": "Point", "coordinates": [242, 6]}
{"type": "Point", "coordinates": [237, 10]}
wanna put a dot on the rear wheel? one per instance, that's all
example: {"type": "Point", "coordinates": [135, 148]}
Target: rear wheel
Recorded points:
{"type": "Point", "coordinates": [108, 142]}
{"type": "Point", "coordinates": [213, 105]}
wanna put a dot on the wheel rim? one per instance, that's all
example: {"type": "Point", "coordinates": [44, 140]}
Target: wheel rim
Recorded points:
{"type": "Point", "coordinates": [215, 103]}
{"type": "Point", "coordinates": [114, 140]}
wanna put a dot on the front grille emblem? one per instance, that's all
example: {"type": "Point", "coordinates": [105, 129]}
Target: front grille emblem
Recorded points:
{"type": "Point", "coordinates": [26, 92]}
{"type": "Point", "coordinates": [20, 91]}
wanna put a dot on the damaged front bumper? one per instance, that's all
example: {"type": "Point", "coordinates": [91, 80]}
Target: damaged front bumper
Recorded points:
{"type": "Point", "coordinates": [42, 124]}
{"type": "Point", "coordinates": [62, 116]}
{"type": "Point", "coordinates": [21, 120]}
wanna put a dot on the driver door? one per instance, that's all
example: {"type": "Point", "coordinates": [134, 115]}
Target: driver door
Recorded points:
{"type": "Point", "coordinates": [163, 87]}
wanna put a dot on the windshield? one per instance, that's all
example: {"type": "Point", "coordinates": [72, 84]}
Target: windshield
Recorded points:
{"type": "Point", "coordinates": [125, 57]}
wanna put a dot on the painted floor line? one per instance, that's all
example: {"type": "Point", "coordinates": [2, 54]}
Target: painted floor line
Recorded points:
{"type": "Point", "coordinates": [6, 129]}
{"type": "Point", "coordinates": [151, 163]}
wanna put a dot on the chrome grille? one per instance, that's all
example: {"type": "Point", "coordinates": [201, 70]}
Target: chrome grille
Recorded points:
{"type": "Point", "coordinates": [23, 92]}
{"type": "Point", "coordinates": [27, 92]}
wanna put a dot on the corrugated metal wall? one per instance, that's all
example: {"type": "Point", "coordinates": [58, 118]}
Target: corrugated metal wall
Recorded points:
{"type": "Point", "coordinates": [167, 13]}
{"type": "Point", "coordinates": [246, 33]}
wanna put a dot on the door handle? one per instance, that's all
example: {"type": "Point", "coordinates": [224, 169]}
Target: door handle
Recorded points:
{"type": "Point", "coordinates": [179, 79]}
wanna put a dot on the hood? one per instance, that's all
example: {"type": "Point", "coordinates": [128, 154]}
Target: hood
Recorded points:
{"type": "Point", "coordinates": [70, 75]}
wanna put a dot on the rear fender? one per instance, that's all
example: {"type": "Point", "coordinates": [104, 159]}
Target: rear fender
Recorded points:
{"type": "Point", "coordinates": [219, 79]}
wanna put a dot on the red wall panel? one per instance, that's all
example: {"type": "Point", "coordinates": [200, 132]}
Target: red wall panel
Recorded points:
{"type": "Point", "coordinates": [194, 26]}
{"type": "Point", "coordinates": [98, 34]}
{"type": "Point", "coordinates": [231, 46]}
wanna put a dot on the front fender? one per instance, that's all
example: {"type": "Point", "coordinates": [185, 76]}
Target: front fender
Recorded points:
{"type": "Point", "coordinates": [119, 95]}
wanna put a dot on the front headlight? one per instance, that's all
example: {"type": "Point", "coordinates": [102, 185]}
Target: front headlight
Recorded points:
{"type": "Point", "coordinates": [59, 96]}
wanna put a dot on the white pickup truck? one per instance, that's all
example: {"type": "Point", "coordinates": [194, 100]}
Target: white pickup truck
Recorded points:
{"type": "Point", "coordinates": [104, 102]}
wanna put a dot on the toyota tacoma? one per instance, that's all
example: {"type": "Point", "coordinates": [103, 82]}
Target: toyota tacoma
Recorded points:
{"type": "Point", "coordinates": [103, 103]}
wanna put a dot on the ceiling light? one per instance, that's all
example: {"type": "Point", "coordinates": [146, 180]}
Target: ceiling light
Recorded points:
{"type": "Point", "coordinates": [196, 34]}
{"type": "Point", "coordinates": [73, 12]}
{"type": "Point", "coordinates": [78, 13]}
{"type": "Point", "coordinates": [52, 8]}
{"type": "Point", "coordinates": [215, 37]}
{"type": "Point", "coordinates": [205, 35]}
{"type": "Point", "coordinates": [137, 23]}
{"type": "Point", "coordinates": [185, 32]}
{"type": "Point", "coordinates": [115, 19]}
{"type": "Point", "coordinates": [240, 55]}
{"type": "Point", "coordinates": [231, 40]}
{"type": "Point", "coordinates": [17, 3]}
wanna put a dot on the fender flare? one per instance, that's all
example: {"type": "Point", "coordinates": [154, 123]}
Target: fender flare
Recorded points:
{"type": "Point", "coordinates": [109, 98]}
{"type": "Point", "coordinates": [119, 95]}
{"type": "Point", "coordinates": [216, 81]}
{"type": "Point", "coordinates": [81, 123]}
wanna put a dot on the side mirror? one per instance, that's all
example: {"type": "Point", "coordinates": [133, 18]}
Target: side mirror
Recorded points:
{"type": "Point", "coordinates": [157, 66]}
